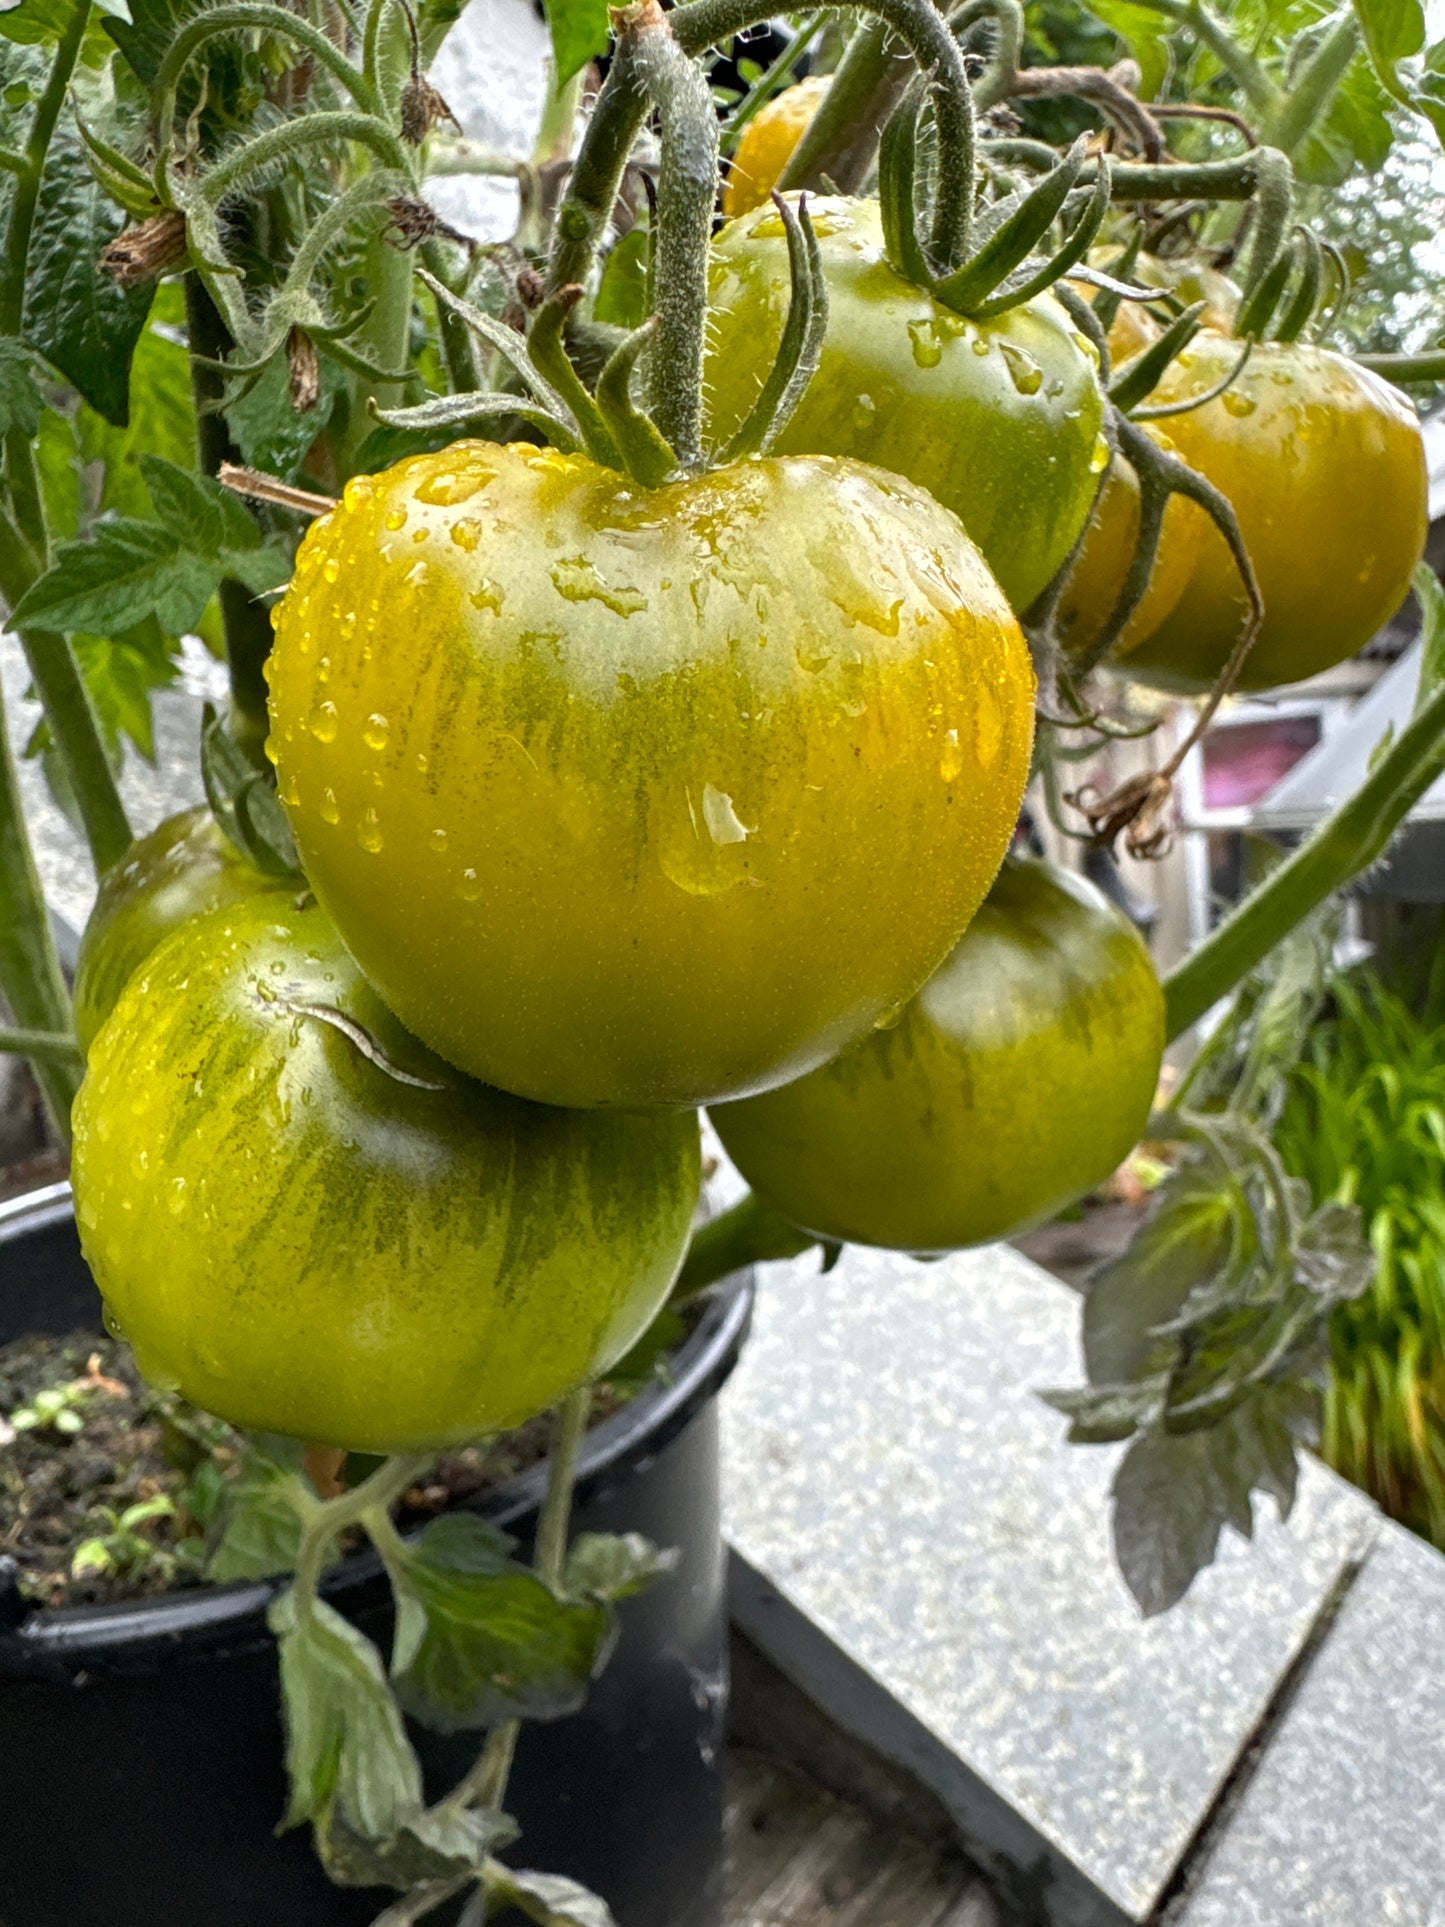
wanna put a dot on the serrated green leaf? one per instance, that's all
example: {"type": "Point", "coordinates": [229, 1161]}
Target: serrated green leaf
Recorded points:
{"type": "Point", "coordinates": [608, 1565]}
{"type": "Point", "coordinates": [1145, 34]}
{"type": "Point", "coordinates": [552, 1901]}
{"type": "Point", "coordinates": [481, 1639]}
{"type": "Point", "coordinates": [31, 23]}
{"type": "Point", "coordinates": [257, 1529]}
{"type": "Point", "coordinates": [81, 322]}
{"type": "Point", "coordinates": [162, 414]}
{"type": "Point", "coordinates": [435, 1845]}
{"type": "Point", "coordinates": [258, 569]}
{"type": "Point", "coordinates": [127, 571]}
{"type": "Point", "coordinates": [20, 403]}
{"type": "Point", "coordinates": [1169, 1510]}
{"type": "Point", "coordinates": [347, 1754]}
{"type": "Point", "coordinates": [580, 32]}
{"type": "Point", "coordinates": [189, 505]}
{"type": "Point", "coordinates": [269, 433]}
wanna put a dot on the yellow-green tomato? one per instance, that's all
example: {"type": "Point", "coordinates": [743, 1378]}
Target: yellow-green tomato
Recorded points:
{"type": "Point", "coordinates": [308, 1224]}
{"type": "Point", "coordinates": [1019, 1077]}
{"type": "Point", "coordinates": [186, 867]}
{"type": "Point", "coordinates": [767, 144]}
{"type": "Point", "coordinates": [1325, 467]}
{"type": "Point", "coordinates": [633, 796]}
{"type": "Point", "coordinates": [999, 420]}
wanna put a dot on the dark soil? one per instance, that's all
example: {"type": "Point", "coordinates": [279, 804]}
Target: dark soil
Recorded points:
{"type": "Point", "coordinates": [125, 1444]}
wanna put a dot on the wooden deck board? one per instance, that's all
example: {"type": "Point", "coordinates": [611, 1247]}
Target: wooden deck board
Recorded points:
{"type": "Point", "coordinates": [798, 1857]}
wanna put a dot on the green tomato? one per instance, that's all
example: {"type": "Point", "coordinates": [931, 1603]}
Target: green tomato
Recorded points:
{"type": "Point", "coordinates": [186, 867]}
{"type": "Point", "coordinates": [1018, 1079]}
{"type": "Point", "coordinates": [307, 1224]}
{"type": "Point", "coordinates": [645, 796]}
{"type": "Point", "coordinates": [999, 420]}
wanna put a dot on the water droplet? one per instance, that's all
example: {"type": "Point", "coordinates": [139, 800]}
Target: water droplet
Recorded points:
{"type": "Point", "coordinates": [1024, 371]}
{"type": "Point", "coordinates": [891, 1018]}
{"type": "Point", "coordinates": [865, 411]}
{"type": "Point", "coordinates": [272, 752]}
{"type": "Point", "coordinates": [358, 490]}
{"type": "Point", "coordinates": [112, 1323]}
{"type": "Point", "coordinates": [176, 1199]}
{"type": "Point", "coordinates": [376, 732]}
{"type": "Point", "coordinates": [987, 728]}
{"type": "Point", "coordinates": [330, 808]}
{"type": "Point", "coordinates": [439, 840]}
{"type": "Point", "coordinates": [927, 348]}
{"type": "Point", "coordinates": [368, 833]}
{"type": "Point", "coordinates": [423, 761]}
{"type": "Point", "coordinates": [421, 535]}
{"type": "Point", "coordinates": [323, 669]}
{"type": "Point", "coordinates": [470, 888]}
{"type": "Point", "coordinates": [979, 345]}
{"type": "Point", "coordinates": [487, 596]}
{"type": "Point", "coordinates": [723, 822]}
{"type": "Point", "coordinates": [1099, 457]}
{"type": "Point", "coordinates": [951, 761]}
{"type": "Point", "coordinates": [575, 579]}
{"type": "Point", "coordinates": [448, 488]}
{"type": "Point", "coordinates": [331, 568]}
{"type": "Point", "coordinates": [811, 656]}
{"type": "Point", "coordinates": [323, 723]}
{"type": "Point", "coordinates": [394, 519]}
{"type": "Point", "coordinates": [466, 534]}
{"type": "Point", "coordinates": [1238, 405]}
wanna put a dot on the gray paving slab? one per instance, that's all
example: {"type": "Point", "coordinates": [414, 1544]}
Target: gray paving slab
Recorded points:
{"type": "Point", "coordinates": [1342, 1823]}
{"type": "Point", "coordinates": [918, 1547]}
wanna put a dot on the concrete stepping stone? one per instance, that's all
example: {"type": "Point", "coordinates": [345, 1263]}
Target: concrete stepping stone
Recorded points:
{"type": "Point", "coordinates": [916, 1547]}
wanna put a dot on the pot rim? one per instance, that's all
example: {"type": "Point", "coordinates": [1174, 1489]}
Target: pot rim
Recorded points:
{"type": "Point", "coordinates": [622, 1443]}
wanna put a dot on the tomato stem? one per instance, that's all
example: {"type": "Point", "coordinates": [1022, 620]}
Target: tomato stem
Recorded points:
{"type": "Point", "coordinates": [1349, 840]}
{"type": "Point", "coordinates": [749, 1232]}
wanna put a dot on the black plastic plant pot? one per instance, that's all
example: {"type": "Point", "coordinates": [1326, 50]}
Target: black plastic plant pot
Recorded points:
{"type": "Point", "coordinates": [141, 1771]}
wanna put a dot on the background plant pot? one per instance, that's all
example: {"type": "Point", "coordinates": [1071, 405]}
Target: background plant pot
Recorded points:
{"type": "Point", "coordinates": [140, 1745]}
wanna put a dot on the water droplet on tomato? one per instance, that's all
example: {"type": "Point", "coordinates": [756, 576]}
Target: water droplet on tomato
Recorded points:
{"type": "Point", "coordinates": [1099, 456]}
{"type": "Point", "coordinates": [323, 724]}
{"type": "Point", "coordinates": [330, 809]}
{"type": "Point", "coordinates": [466, 534]}
{"type": "Point", "coordinates": [176, 1200]}
{"type": "Point", "coordinates": [272, 753]}
{"type": "Point", "coordinates": [394, 519]}
{"type": "Point", "coordinates": [368, 833]}
{"type": "Point", "coordinates": [439, 840]}
{"type": "Point", "coordinates": [951, 761]}
{"type": "Point", "coordinates": [376, 732]}
{"type": "Point", "coordinates": [1238, 405]}
{"type": "Point", "coordinates": [927, 348]}
{"type": "Point", "coordinates": [865, 411]}
{"type": "Point", "coordinates": [111, 1322]}
{"type": "Point", "coordinates": [488, 596]}
{"type": "Point", "coordinates": [331, 568]}
{"type": "Point", "coordinates": [1024, 372]}
{"type": "Point", "coordinates": [470, 888]}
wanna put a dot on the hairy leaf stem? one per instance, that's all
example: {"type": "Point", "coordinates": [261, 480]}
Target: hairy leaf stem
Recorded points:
{"type": "Point", "coordinates": [686, 194]}
{"type": "Point", "coordinates": [268, 19]}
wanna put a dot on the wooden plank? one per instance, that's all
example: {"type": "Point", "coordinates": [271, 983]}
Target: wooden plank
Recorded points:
{"type": "Point", "coordinates": [801, 1858]}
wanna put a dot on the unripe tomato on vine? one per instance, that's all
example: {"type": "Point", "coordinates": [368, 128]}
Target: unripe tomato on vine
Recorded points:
{"type": "Point", "coordinates": [1016, 1081]}
{"type": "Point", "coordinates": [767, 143]}
{"type": "Point", "coordinates": [626, 795]}
{"type": "Point", "coordinates": [346, 1240]}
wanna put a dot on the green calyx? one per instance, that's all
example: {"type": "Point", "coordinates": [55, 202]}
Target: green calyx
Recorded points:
{"type": "Point", "coordinates": [1014, 250]}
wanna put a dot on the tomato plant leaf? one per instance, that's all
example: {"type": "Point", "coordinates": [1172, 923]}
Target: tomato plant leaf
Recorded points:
{"type": "Point", "coordinates": [20, 405]}
{"type": "Point", "coordinates": [579, 33]}
{"type": "Point", "coordinates": [607, 1565]}
{"type": "Point", "coordinates": [347, 1754]}
{"type": "Point", "coordinates": [127, 571]}
{"type": "Point", "coordinates": [267, 429]}
{"type": "Point", "coordinates": [257, 1529]}
{"type": "Point", "coordinates": [435, 1845]}
{"type": "Point", "coordinates": [552, 1901]}
{"type": "Point", "coordinates": [480, 1638]}
{"type": "Point", "coordinates": [79, 319]}
{"type": "Point", "coordinates": [243, 801]}
{"type": "Point", "coordinates": [30, 23]}
{"type": "Point", "coordinates": [1145, 34]}
{"type": "Point", "coordinates": [162, 414]}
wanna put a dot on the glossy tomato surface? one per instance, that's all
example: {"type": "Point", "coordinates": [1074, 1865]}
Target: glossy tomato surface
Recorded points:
{"type": "Point", "coordinates": [767, 145]}
{"type": "Point", "coordinates": [186, 867]}
{"type": "Point", "coordinates": [304, 1240]}
{"type": "Point", "coordinates": [999, 420]}
{"type": "Point", "coordinates": [1325, 467]}
{"type": "Point", "coordinates": [1102, 565]}
{"type": "Point", "coordinates": [1018, 1079]}
{"type": "Point", "coordinates": [628, 796]}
